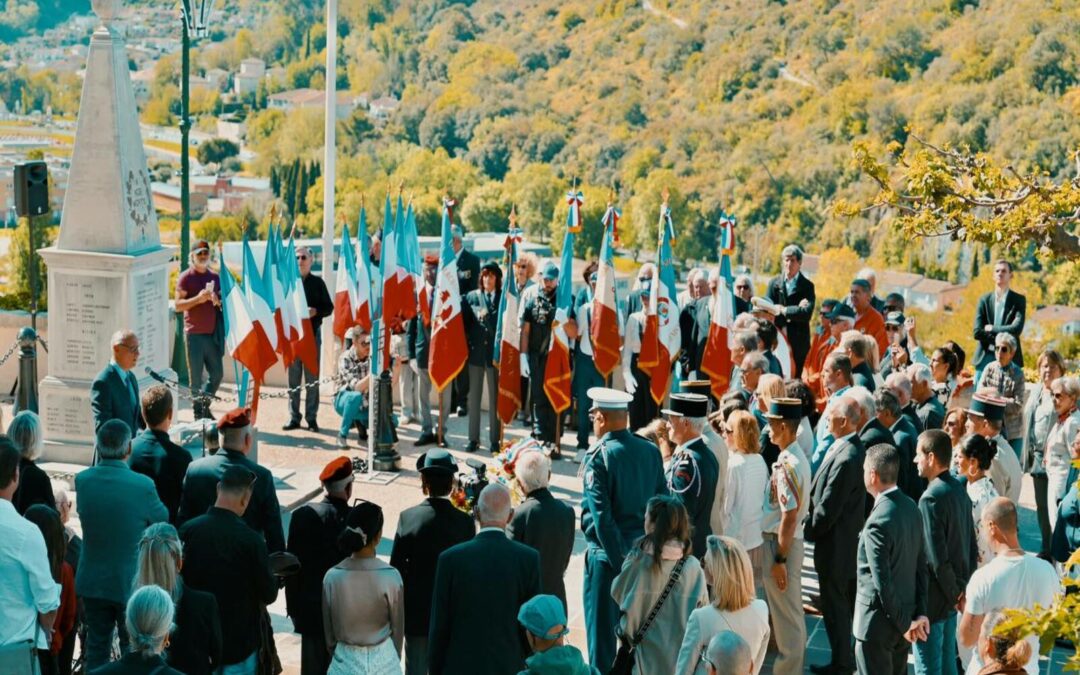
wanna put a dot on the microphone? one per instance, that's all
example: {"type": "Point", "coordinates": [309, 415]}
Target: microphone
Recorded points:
{"type": "Point", "coordinates": [155, 375]}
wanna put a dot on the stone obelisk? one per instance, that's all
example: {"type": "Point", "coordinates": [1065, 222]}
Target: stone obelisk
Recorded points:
{"type": "Point", "coordinates": [108, 269]}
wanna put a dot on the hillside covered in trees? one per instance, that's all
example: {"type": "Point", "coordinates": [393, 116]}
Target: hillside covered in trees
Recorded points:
{"type": "Point", "coordinates": [26, 17]}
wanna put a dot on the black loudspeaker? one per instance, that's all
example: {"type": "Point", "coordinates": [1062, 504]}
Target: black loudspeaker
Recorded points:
{"type": "Point", "coordinates": [31, 189]}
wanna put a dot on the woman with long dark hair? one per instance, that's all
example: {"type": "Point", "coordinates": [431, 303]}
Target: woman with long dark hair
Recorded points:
{"type": "Point", "coordinates": [659, 557]}
{"type": "Point", "coordinates": [48, 521]}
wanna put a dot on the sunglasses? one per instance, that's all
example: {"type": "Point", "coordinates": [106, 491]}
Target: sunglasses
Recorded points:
{"type": "Point", "coordinates": [1002, 348]}
{"type": "Point", "coordinates": [892, 329]}
{"type": "Point", "coordinates": [133, 350]}
{"type": "Point", "coordinates": [740, 287]}
{"type": "Point", "coordinates": [301, 257]}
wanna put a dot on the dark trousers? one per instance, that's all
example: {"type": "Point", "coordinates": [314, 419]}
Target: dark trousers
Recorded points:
{"type": "Point", "coordinates": [799, 349]}
{"type": "Point", "coordinates": [477, 374]}
{"type": "Point", "coordinates": [601, 612]}
{"type": "Point", "coordinates": [882, 657]}
{"type": "Point", "coordinates": [102, 619]}
{"type": "Point", "coordinates": [543, 415]}
{"type": "Point", "coordinates": [837, 605]}
{"type": "Point", "coordinates": [67, 653]}
{"type": "Point", "coordinates": [460, 391]}
{"type": "Point", "coordinates": [314, 658]}
{"type": "Point", "coordinates": [47, 662]}
{"type": "Point", "coordinates": [1042, 509]}
{"type": "Point", "coordinates": [586, 376]}
{"type": "Point", "coordinates": [643, 408]}
{"type": "Point", "coordinates": [204, 353]}
{"type": "Point", "coordinates": [525, 399]}
{"type": "Point", "coordinates": [297, 371]}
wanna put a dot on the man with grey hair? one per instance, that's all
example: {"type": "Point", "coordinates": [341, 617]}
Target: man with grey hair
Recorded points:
{"type": "Point", "coordinates": [792, 297]}
{"type": "Point", "coordinates": [837, 510]}
{"type": "Point", "coordinates": [868, 275]}
{"type": "Point", "coordinates": [694, 471]}
{"type": "Point", "coordinates": [543, 522]}
{"type": "Point", "coordinates": [115, 505]}
{"type": "Point", "coordinates": [871, 431]}
{"type": "Point", "coordinates": [891, 416]}
{"type": "Point", "coordinates": [203, 476]}
{"type": "Point", "coordinates": [482, 582]}
{"type": "Point", "coordinates": [729, 654]}
{"type": "Point", "coordinates": [754, 365]}
{"type": "Point", "coordinates": [742, 343]}
{"type": "Point", "coordinates": [928, 408]}
{"type": "Point", "coordinates": [900, 383]}
{"type": "Point", "coordinates": [114, 393]}
{"type": "Point", "coordinates": [320, 305]}
{"type": "Point", "coordinates": [744, 291]}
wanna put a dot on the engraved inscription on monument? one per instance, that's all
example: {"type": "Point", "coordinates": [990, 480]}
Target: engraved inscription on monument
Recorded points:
{"type": "Point", "coordinates": [150, 304]}
{"type": "Point", "coordinates": [66, 416]}
{"type": "Point", "coordinates": [88, 313]}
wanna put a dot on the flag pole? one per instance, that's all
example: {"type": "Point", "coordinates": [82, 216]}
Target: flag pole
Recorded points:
{"type": "Point", "coordinates": [442, 429]}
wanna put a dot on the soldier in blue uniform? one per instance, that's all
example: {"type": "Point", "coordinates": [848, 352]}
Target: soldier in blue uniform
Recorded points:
{"type": "Point", "coordinates": [621, 473]}
{"type": "Point", "coordinates": [694, 471]}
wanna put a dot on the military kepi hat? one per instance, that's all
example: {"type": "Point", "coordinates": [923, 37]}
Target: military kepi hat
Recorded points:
{"type": "Point", "coordinates": [336, 470]}
{"type": "Point", "coordinates": [436, 460]}
{"type": "Point", "coordinates": [609, 399]}
{"type": "Point", "coordinates": [237, 418]}
{"type": "Point", "coordinates": [989, 408]}
{"type": "Point", "coordinates": [785, 409]}
{"type": "Point", "coordinates": [688, 405]}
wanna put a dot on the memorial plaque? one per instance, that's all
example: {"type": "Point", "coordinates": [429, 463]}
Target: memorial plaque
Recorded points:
{"type": "Point", "coordinates": [88, 311]}
{"type": "Point", "coordinates": [150, 303]}
{"type": "Point", "coordinates": [66, 416]}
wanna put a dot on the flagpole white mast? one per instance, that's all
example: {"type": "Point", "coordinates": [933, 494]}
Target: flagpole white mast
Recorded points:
{"type": "Point", "coordinates": [326, 359]}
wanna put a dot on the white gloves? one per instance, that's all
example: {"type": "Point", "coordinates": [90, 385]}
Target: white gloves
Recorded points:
{"type": "Point", "coordinates": [629, 383]}
{"type": "Point", "coordinates": [415, 365]}
{"type": "Point", "coordinates": [524, 365]}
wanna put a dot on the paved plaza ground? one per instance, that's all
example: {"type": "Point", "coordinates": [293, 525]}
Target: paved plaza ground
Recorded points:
{"type": "Point", "coordinates": [297, 457]}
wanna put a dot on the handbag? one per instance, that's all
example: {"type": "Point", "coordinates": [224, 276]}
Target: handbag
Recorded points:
{"type": "Point", "coordinates": [624, 658]}
{"type": "Point", "coordinates": [20, 658]}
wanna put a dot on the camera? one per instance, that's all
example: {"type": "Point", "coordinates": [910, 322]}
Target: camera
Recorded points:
{"type": "Point", "coordinates": [472, 483]}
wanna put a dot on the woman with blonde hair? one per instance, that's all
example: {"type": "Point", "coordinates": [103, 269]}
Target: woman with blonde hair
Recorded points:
{"type": "Point", "coordinates": [195, 643]}
{"type": "Point", "coordinates": [661, 557]}
{"type": "Point", "coordinates": [733, 608]}
{"type": "Point", "coordinates": [1057, 455]}
{"type": "Point", "coordinates": [1003, 652]}
{"type": "Point", "coordinates": [746, 482]}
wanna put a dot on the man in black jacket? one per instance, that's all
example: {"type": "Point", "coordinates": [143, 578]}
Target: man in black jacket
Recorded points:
{"type": "Point", "coordinates": [320, 305]}
{"type": "Point", "coordinates": [890, 604]}
{"type": "Point", "coordinates": [694, 471]}
{"type": "Point", "coordinates": [837, 501]}
{"type": "Point", "coordinates": [892, 418]}
{"type": "Point", "coordinates": [793, 294]}
{"type": "Point", "coordinates": [1002, 310]}
{"type": "Point", "coordinates": [313, 534]}
{"type": "Point", "coordinates": [927, 406]}
{"type": "Point", "coordinates": [951, 548]}
{"type": "Point", "coordinates": [424, 532]}
{"type": "Point", "coordinates": [114, 393]}
{"type": "Point", "coordinates": [226, 558]}
{"type": "Point", "coordinates": [203, 475]}
{"type": "Point", "coordinates": [480, 311]}
{"type": "Point", "coordinates": [418, 347]}
{"type": "Point", "coordinates": [153, 454]}
{"type": "Point", "coordinates": [543, 522]}
{"type": "Point", "coordinates": [479, 587]}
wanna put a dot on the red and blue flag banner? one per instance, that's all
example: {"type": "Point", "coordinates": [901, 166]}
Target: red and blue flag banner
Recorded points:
{"type": "Point", "coordinates": [574, 200]}
{"type": "Point", "coordinates": [292, 328]}
{"type": "Point", "coordinates": [557, 367]}
{"type": "Point", "coordinates": [508, 339]}
{"type": "Point", "coordinates": [276, 290]}
{"type": "Point", "coordinates": [660, 341]}
{"type": "Point", "coordinates": [604, 330]}
{"type": "Point", "coordinates": [408, 264]}
{"type": "Point", "coordinates": [388, 271]}
{"type": "Point", "coordinates": [716, 360]}
{"type": "Point", "coordinates": [346, 292]}
{"type": "Point", "coordinates": [304, 346]}
{"type": "Point", "coordinates": [449, 349]}
{"type": "Point", "coordinates": [246, 340]}
{"type": "Point", "coordinates": [363, 274]}
{"type": "Point", "coordinates": [258, 295]}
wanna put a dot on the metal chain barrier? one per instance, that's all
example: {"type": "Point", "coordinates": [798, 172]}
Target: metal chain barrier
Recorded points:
{"type": "Point", "coordinates": [10, 351]}
{"type": "Point", "coordinates": [44, 345]}
{"type": "Point", "coordinates": [187, 394]}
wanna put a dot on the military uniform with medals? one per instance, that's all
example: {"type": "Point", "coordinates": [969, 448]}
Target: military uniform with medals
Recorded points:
{"type": "Point", "coordinates": [621, 472]}
{"type": "Point", "coordinates": [694, 471]}
{"type": "Point", "coordinates": [481, 313]}
{"type": "Point", "coordinates": [539, 313]}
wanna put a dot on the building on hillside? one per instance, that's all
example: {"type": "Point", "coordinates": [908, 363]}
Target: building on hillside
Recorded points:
{"type": "Point", "coordinates": [1061, 320]}
{"type": "Point", "coordinates": [232, 128]}
{"type": "Point", "coordinates": [229, 194]}
{"type": "Point", "coordinates": [167, 199]}
{"type": "Point", "coordinates": [217, 78]}
{"type": "Point", "coordinates": [246, 82]}
{"type": "Point", "coordinates": [382, 108]}
{"type": "Point", "coordinates": [919, 291]}
{"type": "Point", "coordinates": [295, 99]}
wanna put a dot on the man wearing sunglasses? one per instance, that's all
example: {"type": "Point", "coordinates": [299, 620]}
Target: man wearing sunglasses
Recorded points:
{"type": "Point", "coordinates": [320, 306]}
{"type": "Point", "coordinates": [198, 297]}
{"type": "Point", "coordinates": [114, 394]}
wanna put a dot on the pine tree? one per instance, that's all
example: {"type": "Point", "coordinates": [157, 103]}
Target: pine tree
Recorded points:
{"type": "Point", "coordinates": [275, 181]}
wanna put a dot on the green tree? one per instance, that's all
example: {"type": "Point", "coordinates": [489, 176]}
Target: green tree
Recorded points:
{"type": "Point", "coordinates": [486, 207]}
{"type": "Point", "coordinates": [216, 151]}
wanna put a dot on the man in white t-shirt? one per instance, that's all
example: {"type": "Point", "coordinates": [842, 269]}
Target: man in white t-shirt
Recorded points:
{"type": "Point", "coordinates": [1012, 580]}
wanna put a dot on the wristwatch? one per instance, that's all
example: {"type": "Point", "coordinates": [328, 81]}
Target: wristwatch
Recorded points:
{"type": "Point", "coordinates": [779, 559]}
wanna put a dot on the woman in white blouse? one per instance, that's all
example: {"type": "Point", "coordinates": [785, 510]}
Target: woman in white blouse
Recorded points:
{"type": "Point", "coordinates": [1058, 456]}
{"type": "Point", "coordinates": [733, 607]}
{"type": "Point", "coordinates": [747, 479]}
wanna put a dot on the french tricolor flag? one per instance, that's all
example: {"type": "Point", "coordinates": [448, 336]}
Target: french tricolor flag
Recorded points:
{"type": "Point", "coordinates": [508, 344]}
{"type": "Point", "coordinates": [557, 368]}
{"type": "Point", "coordinates": [604, 331]}
{"type": "Point", "coordinates": [449, 350]}
{"type": "Point", "coordinates": [716, 361]}
{"type": "Point", "coordinates": [245, 338]}
{"type": "Point", "coordinates": [661, 337]}
{"type": "Point", "coordinates": [346, 295]}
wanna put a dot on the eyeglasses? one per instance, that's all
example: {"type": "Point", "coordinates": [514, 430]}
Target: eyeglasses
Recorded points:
{"type": "Point", "coordinates": [741, 287]}
{"type": "Point", "coordinates": [892, 329]}
{"type": "Point", "coordinates": [133, 350]}
{"type": "Point", "coordinates": [365, 343]}
{"type": "Point", "coordinates": [1002, 348]}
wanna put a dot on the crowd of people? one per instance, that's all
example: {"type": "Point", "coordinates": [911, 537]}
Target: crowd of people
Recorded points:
{"type": "Point", "coordinates": [891, 464]}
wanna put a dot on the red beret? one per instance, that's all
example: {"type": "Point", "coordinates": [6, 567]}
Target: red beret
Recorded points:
{"type": "Point", "coordinates": [237, 418]}
{"type": "Point", "coordinates": [336, 470]}
{"type": "Point", "coordinates": [431, 259]}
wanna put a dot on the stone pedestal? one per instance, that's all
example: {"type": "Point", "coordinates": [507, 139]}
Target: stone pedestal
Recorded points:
{"type": "Point", "coordinates": [108, 270]}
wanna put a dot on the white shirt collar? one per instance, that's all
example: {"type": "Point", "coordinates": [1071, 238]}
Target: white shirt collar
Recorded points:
{"type": "Point", "coordinates": [492, 529]}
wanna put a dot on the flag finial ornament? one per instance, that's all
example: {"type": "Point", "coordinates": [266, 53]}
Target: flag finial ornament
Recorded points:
{"type": "Point", "coordinates": [574, 200]}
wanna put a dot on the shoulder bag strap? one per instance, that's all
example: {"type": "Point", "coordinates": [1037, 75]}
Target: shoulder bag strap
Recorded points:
{"type": "Point", "coordinates": [672, 580]}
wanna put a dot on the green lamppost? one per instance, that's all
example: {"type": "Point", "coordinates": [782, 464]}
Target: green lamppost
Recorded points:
{"type": "Point", "coordinates": [194, 19]}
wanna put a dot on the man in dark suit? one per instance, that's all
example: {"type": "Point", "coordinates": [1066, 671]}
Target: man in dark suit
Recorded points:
{"type": "Point", "coordinates": [793, 295]}
{"type": "Point", "coordinates": [744, 291]}
{"type": "Point", "coordinates": [905, 436]}
{"type": "Point", "coordinates": [837, 509]}
{"type": "Point", "coordinates": [890, 601]}
{"type": "Point", "coordinates": [468, 272]}
{"type": "Point", "coordinates": [203, 475]}
{"type": "Point", "coordinates": [1002, 310]}
{"type": "Point", "coordinates": [114, 393]}
{"type": "Point", "coordinates": [320, 306]}
{"type": "Point", "coordinates": [229, 560]}
{"type": "Point", "coordinates": [153, 454]}
{"type": "Point", "coordinates": [418, 348]}
{"type": "Point", "coordinates": [480, 311]}
{"type": "Point", "coordinates": [482, 583]}
{"type": "Point", "coordinates": [115, 505]}
{"type": "Point", "coordinates": [424, 532]}
{"type": "Point", "coordinates": [694, 321]}
{"type": "Point", "coordinates": [694, 471]}
{"type": "Point", "coordinates": [585, 373]}
{"type": "Point", "coordinates": [313, 534]}
{"type": "Point", "coordinates": [927, 406]}
{"type": "Point", "coordinates": [543, 522]}
{"type": "Point", "coordinates": [951, 548]}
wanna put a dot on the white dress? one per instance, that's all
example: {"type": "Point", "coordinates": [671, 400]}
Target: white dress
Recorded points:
{"type": "Point", "coordinates": [751, 623]}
